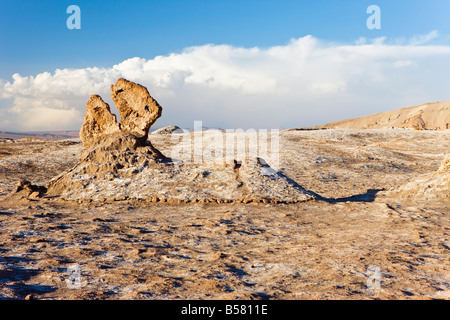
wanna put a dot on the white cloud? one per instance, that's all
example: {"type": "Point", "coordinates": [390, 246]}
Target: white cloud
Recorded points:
{"type": "Point", "coordinates": [305, 82]}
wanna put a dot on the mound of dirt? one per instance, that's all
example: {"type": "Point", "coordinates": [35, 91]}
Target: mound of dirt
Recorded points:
{"type": "Point", "coordinates": [118, 162]}
{"type": "Point", "coordinates": [431, 116]}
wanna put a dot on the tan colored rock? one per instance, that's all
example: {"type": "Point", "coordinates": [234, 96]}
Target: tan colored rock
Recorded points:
{"type": "Point", "coordinates": [98, 123]}
{"type": "Point", "coordinates": [415, 122]}
{"type": "Point", "coordinates": [118, 161]}
{"type": "Point", "coordinates": [138, 110]}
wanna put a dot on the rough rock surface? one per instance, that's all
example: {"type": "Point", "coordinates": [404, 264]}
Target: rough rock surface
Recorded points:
{"type": "Point", "coordinates": [138, 110]}
{"type": "Point", "coordinates": [310, 250]}
{"type": "Point", "coordinates": [430, 116]}
{"type": "Point", "coordinates": [98, 123]}
{"type": "Point", "coordinates": [119, 163]}
{"type": "Point", "coordinates": [167, 130]}
{"type": "Point", "coordinates": [148, 179]}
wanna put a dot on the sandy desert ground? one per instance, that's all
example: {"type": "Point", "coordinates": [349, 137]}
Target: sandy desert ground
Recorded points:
{"type": "Point", "coordinates": [356, 241]}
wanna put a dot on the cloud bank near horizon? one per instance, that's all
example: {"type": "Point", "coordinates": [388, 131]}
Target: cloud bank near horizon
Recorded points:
{"type": "Point", "coordinates": [303, 83]}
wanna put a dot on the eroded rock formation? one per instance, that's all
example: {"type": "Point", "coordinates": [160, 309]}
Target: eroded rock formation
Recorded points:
{"type": "Point", "coordinates": [138, 110]}
{"type": "Point", "coordinates": [118, 162]}
{"type": "Point", "coordinates": [25, 189]}
{"type": "Point", "coordinates": [430, 116]}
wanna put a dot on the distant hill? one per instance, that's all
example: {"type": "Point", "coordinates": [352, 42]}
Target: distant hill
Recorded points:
{"type": "Point", "coordinates": [53, 135]}
{"type": "Point", "coordinates": [60, 135]}
{"type": "Point", "coordinates": [430, 116]}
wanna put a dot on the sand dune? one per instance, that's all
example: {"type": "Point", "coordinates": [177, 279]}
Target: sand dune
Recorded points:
{"type": "Point", "coordinates": [430, 116]}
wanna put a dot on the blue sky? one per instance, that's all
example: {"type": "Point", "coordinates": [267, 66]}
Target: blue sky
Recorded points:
{"type": "Point", "coordinates": [34, 38]}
